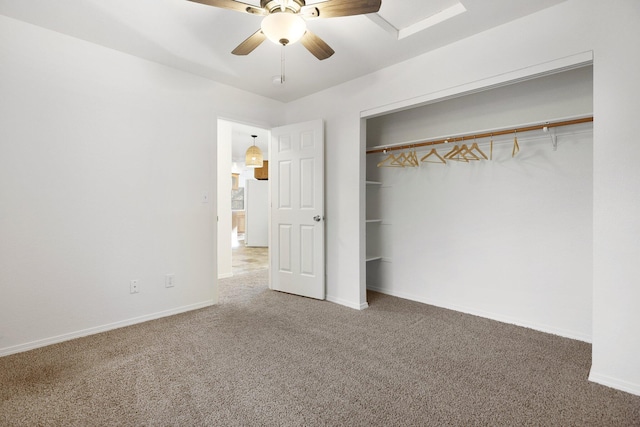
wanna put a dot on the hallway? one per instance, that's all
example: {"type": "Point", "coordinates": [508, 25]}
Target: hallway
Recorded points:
{"type": "Point", "coordinates": [246, 259]}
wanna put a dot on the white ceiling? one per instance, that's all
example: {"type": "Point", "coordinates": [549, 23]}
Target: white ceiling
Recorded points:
{"type": "Point", "coordinates": [199, 39]}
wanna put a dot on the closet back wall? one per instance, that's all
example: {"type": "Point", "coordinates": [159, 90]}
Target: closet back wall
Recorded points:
{"type": "Point", "coordinates": [509, 239]}
{"type": "Point", "coordinates": [560, 95]}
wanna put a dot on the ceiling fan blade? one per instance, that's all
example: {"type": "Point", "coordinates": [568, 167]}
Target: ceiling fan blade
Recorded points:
{"type": "Point", "coordinates": [233, 5]}
{"type": "Point", "coordinates": [252, 42]}
{"type": "Point", "coordinates": [335, 8]}
{"type": "Point", "coordinates": [316, 46]}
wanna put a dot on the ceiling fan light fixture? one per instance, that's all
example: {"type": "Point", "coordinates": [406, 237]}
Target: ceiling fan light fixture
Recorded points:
{"type": "Point", "coordinates": [253, 157]}
{"type": "Point", "coordinates": [283, 28]}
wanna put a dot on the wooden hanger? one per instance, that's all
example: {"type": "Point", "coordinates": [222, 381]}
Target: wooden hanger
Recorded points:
{"type": "Point", "coordinates": [516, 147]}
{"type": "Point", "coordinates": [413, 158]}
{"type": "Point", "coordinates": [401, 160]}
{"type": "Point", "coordinates": [474, 147]}
{"type": "Point", "coordinates": [433, 152]}
{"type": "Point", "coordinates": [491, 152]}
{"type": "Point", "coordinates": [407, 159]}
{"type": "Point", "coordinates": [454, 154]}
{"type": "Point", "coordinates": [461, 154]}
{"type": "Point", "coordinates": [467, 154]}
{"type": "Point", "coordinates": [391, 161]}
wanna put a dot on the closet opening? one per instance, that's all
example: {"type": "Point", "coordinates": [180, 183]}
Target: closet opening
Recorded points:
{"type": "Point", "coordinates": [483, 203]}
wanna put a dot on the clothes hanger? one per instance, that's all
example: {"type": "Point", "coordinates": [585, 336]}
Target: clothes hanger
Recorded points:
{"type": "Point", "coordinates": [433, 152]}
{"type": "Point", "coordinates": [491, 152]}
{"type": "Point", "coordinates": [413, 158]}
{"type": "Point", "coordinates": [405, 160]}
{"type": "Point", "coordinates": [475, 147]}
{"type": "Point", "coordinates": [391, 161]}
{"type": "Point", "coordinates": [401, 160]}
{"type": "Point", "coordinates": [461, 154]}
{"type": "Point", "coordinates": [466, 153]}
{"type": "Point", "coordinates": [455, 151]}
{"type": "Point", "coordinates": [516, 147]}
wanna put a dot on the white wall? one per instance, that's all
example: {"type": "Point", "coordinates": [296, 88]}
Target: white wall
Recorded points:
{"type": "Point", "coordinates": [104, 160]}
{"type": "Point", "coordinates": [571, 28]}
{"type": "Point", "coordinates": [225, 240]}
{"type": "Point", "coordinates": [556, 96]}
{"type": "Point", "coordinates": [616, 212]}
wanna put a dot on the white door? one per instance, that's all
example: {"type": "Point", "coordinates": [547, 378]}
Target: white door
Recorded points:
{"type": "Point", "coordinates": [296, 168]}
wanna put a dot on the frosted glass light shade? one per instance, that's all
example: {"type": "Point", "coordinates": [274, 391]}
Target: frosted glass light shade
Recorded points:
{"type": "Point", "coordinates": [283, 28]}
{"type": "Point", "coordinates": [253, 158]}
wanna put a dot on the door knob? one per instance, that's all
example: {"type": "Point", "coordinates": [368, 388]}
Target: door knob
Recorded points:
{"type": "Point", "coordinates": [317, 218]}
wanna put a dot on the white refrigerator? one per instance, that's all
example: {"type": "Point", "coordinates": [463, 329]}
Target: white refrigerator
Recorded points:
{"type": "Point", "coordinates": [256, 213]}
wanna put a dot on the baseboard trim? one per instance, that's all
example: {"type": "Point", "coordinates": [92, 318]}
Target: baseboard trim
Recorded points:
{"type": "Point", "coordinates": [225, 275]}
{"type": "Point", "coordinates": [346, 303]}
{"type": "Point", "coordinates": [104, 328]}
{"type": "Point", "coordinates": [488, 315]}
{"type": "Point", "coordinates": [615, 383]}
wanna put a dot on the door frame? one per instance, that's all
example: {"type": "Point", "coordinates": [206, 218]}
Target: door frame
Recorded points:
{"type": "Point", "coordinates": [223, 180]}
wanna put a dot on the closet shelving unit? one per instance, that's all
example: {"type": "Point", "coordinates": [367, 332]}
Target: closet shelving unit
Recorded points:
{"type": "Point", "coordinates": [373, 223]}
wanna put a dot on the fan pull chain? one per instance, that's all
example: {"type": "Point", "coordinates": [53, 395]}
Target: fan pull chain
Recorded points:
{"type": "Point", "coordinates": [282, 65]}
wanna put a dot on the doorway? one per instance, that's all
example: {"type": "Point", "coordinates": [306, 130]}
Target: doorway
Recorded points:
{"type": "Point", "coordinates": [293, 208]}
{"type": "Point", "coordinates": [246, 259]}
{"type": "Point", "coordinates": [242, 201]}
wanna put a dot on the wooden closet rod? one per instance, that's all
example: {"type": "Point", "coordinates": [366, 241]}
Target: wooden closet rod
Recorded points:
{"type": "Point", "coordinates": [483, 135]}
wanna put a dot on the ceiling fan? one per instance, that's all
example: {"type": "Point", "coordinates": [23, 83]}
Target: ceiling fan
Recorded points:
{"type": "Point", "coordinates": [284, 21]}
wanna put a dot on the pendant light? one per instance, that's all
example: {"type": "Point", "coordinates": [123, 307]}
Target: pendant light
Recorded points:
{"type": "Point", "coordinates": [253, 158]}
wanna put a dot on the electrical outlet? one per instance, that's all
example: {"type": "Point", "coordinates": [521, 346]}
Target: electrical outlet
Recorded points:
{"type": "Point", "coordinates": [133, 286]}
{"type": "Point", "coordinates": [169, 280]}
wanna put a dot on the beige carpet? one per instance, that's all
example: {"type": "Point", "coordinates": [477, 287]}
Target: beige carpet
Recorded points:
{"type": "Point", "coordinates": [263, 358]}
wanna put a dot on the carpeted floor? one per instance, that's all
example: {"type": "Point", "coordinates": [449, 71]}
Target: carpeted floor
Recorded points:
{"type": "Point", "coordinates": [263, 358]}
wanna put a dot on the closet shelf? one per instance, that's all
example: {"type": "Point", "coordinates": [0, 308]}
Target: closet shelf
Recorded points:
{"type": "Point", "coordinates": [373, 221]}
{"type": "Point", "coordinates": [373, 183]}
{"type": "Point", "coordinates": [373, 258]}
{"type": "Point", "coordinates": [482, 134]}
